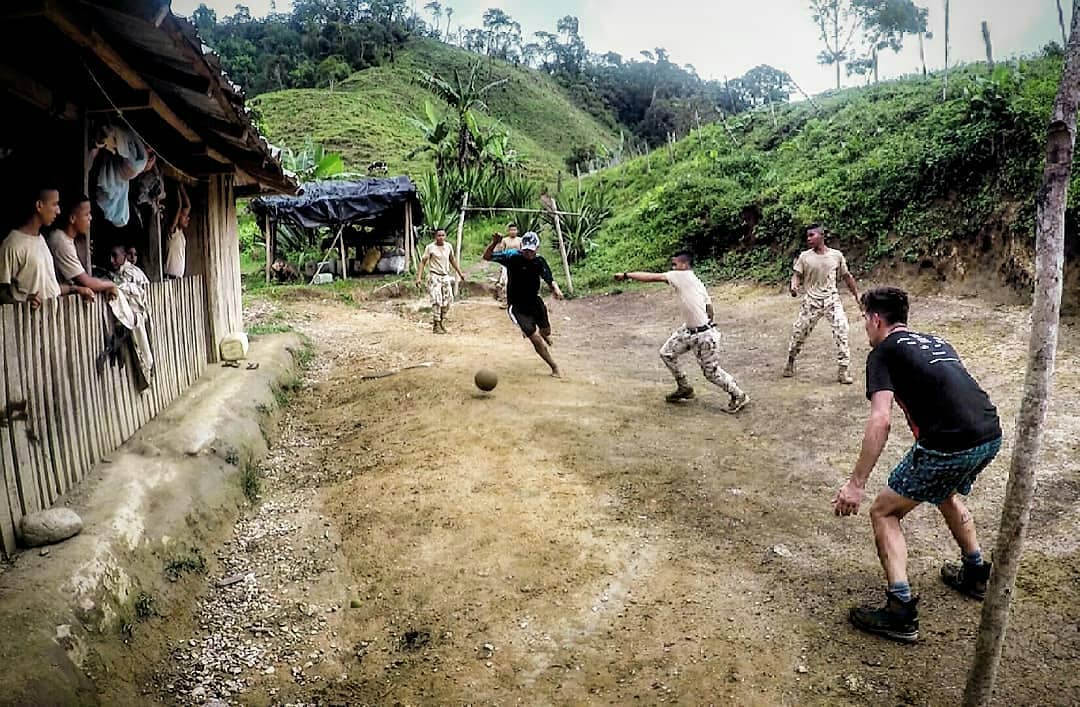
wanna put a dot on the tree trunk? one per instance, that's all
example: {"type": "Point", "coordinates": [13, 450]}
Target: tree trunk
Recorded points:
{"type": "Point", "coordinates": [875, 64]}
{"type": "Point", "coordinates": [1042, 349]}
{"type": "Point", "coordinates": [945, 90]}
{"type": "Point", "coordinates": [922, 53]}
{"type": "Point", "coordinates": [836, 41]}
{"type": "Point", "coordinates": [989, 46]}
{"type": "Point", "coordinates": [1061, 23]}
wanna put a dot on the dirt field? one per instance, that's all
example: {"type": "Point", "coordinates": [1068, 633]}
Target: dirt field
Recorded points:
{"type": "Point", "coordinates": [579, 541]}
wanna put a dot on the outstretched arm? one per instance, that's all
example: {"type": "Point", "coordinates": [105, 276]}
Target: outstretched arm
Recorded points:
{"type": "Point", "coordinates": [641, 276]}
{"type": "Point", "coordinates": [96, 284]}
{"type": "Point", "coordinates": [847, 500]}
{"type": "Point", "coordinates": [849, 280]}
{"type": "Point", "coordinates": [454, 264]}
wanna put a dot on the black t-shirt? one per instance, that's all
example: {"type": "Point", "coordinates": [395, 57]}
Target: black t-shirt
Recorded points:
{"type": "Point", "coordinates": [523, 276]}
{"type": "Point", "coordinates": [945, 407]}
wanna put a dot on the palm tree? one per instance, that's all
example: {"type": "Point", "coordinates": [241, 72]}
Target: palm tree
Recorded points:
{"type": "Point", "coordinates": [449, 12]}
{"type": "Point", "coordinates": [462, 95]}
{"type": "Point", "coordinates": [436, 11]}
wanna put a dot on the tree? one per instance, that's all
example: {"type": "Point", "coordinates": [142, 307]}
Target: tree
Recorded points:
{"type": "Point", "coordinates": [463, 94]}
{"type": "Point", "coordinates": [332, 70]}
{"type": "Point", "coordinates": [449, 12]}
{"type": "Point", "coordinates": [884, 24]}
{"type": "Point", "coordinates": [436, 14]}
{"type": "Point", "coordinates": [838, 21]}
{"type": "Point", "coordinates": [1042, 350]}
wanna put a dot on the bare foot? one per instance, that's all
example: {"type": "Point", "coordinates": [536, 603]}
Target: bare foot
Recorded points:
{"type": "Point", "coordinates": [555, 373]}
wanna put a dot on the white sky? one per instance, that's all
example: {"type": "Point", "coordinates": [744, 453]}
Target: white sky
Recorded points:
{"type": "Point", "coordinates": [728, 37]}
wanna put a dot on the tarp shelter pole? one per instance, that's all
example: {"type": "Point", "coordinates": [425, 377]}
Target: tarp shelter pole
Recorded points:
{"type": "Point", "coordinates": [318, 270]}
{"type": "Point", "coordinates": [409, 246]}
{"type": "Point", "coordinates": [562, 248]}
{"type": "Point", "coordinates": [341, 244]}
{"type": "Point", "coordinates": [269, 251]}
{"type": "Point", "coordinates": [460, 230]}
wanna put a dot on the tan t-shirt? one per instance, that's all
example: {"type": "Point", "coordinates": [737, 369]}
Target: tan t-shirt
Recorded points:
{"type": "Point", "coordinates": [27, 265]}
{"type": "Point", "coordinates": [66, 258]}
{"type": "Point", "coordinates": [820, 272]}
{"type": "Point", "coordinates": [438, 258]}
{"type": "Point", "coordinates": [693, 297]}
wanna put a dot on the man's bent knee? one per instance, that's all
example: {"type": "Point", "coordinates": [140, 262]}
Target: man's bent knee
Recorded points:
{"type": "Point", "coordinates": [888, 503]}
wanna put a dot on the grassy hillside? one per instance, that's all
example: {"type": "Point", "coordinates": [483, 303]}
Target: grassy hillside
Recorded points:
{"type": "Point", "coordinates": [898, 175]}
{"type": "Point", "coordinates": [365, 117]}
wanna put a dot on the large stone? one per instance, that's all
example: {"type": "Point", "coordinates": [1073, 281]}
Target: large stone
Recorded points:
{"type": "Point", "coordinates": [51, 526]}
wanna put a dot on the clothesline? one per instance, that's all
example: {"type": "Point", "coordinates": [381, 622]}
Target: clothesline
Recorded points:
{"type": "Point", "coordinates": [523, 211]}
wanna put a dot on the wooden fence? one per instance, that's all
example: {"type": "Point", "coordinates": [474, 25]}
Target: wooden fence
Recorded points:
{"type": "Point", "coordinates": [58, 415]}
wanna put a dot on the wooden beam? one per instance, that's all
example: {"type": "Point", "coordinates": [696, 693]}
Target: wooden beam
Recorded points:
{"type": "Point", "coordinates": [89, 39]}
{"type": "Point", "coordinates": [22, 10]}
{"type": "Point", "coordinates": [36, 94]}
{"type": "Point", "coordinates": [150, 66]}
{"type": "Point", "coordinates": [125, 100]}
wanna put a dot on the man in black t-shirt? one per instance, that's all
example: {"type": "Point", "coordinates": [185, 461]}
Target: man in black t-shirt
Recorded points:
{"type": "Point", "coordinates": [957, 434]}
{"type": "Point", "coordinates": [525, 269]}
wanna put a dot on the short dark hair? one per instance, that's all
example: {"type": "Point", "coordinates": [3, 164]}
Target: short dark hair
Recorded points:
{"type": "Point", "coordinates": [512, 224]}
{"type": "Point", "coordinates": [70, 208]}
{"type": "Point", "coordinates": [685, 255]}
{"type": "Point", "coordinates": [889, 303]}
{"type": "Point", "coordinates": [816, 227]}
{"type": "Point", "coordinates": [32, 196]}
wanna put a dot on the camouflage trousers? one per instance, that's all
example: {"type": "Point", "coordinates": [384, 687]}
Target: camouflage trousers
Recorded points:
{"type": "Point", "coordinates": [706, 348]}
{"type": "Point", "coordinates": [441, 290]}
{"type": "Point", "coordinates": [811, 311]}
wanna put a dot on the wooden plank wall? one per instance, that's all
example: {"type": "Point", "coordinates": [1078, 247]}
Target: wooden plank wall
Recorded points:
{"type": "Point", "coordinates": [214, 252]}
{"type": "Point", "coordinates": [58, 414]}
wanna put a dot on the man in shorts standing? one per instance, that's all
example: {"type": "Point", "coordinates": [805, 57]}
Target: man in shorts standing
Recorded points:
{"type": "Point", "coordinates": [439, 258]}
{"type": "Point", "coordinates": [698, 333]}
{"type": "Point", "coordinates": [957, 434]}
{"type": "Point", "coordinates": [816, 273]}
{"type": "Point", "coordinates": [525, 269]}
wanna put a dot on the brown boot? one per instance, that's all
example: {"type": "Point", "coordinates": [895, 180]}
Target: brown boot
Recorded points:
{"type": "Point", "coordinates": [789, 369]}
{"type": "Point", "coordinates": [683, 392]}
{"type": "Point", "coordinates": [436, 327]}
{"type": "Point", "coordinates": [441, 328]}
{"type": "Point", "coordinates": [844, 376]}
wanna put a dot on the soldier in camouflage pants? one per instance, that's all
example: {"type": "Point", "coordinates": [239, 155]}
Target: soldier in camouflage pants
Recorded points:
{"type": "Point", "coordinates": [810, 312]}
{"type": "Point", "coordinates": [706, 348]}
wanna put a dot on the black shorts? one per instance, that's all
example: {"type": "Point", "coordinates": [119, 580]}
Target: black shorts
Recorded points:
{"type": "Point", "coordinates": [530, 318]}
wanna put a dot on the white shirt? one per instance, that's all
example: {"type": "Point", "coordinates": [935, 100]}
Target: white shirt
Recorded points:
{"type": "Point", "coordinates": [66, 258]}
{"type": "Point", "coordinates": [693, 297]}
{"type": "Point", "coordinates": [176, 254]}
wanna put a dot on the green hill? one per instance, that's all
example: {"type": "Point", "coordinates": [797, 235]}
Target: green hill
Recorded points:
{"type": "Point", "coordinates": [941, 188]}
{"type": "Point", "coordinates": [364, 118]}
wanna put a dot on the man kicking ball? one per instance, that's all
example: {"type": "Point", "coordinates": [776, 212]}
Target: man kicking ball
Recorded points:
{"type": "Point", "coordinates": [524, 271]}
{"type": "Point", "coordinates": [957, 434]}
{"type": "Point", "coordinates": [816, 272]}
{"type": "Point", "coordinates": [698, 333]}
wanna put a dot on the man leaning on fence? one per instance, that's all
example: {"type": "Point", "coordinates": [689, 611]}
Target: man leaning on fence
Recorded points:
{"type": "Point", "coordinates": [27, 272]}
{"type": "Point", "coordinates": [75, 222]}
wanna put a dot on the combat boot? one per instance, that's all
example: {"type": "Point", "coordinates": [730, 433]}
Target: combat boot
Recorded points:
{"type": "Point", "coordinates": [789, 369]}
{"type": "Point", "coordinates": [442, 327]}
{"type": "Point", "coordinates": [843, 375]}
{"type": "Point", "coordinates": [683, 392]}
{"type": "Point", "coordinates": [967, 579]}
{"type": "Point", "coordinates": [436, 327]}
{"type": "Point", "coordinates": [897, 620]}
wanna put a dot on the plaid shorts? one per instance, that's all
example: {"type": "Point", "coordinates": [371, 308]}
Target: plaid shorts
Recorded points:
{"type": "Point", "coordinates": [929, 476]}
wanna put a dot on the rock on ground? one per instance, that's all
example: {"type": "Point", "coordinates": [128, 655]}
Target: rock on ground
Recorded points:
{"type": "Point", "coordinates": [50, 526]}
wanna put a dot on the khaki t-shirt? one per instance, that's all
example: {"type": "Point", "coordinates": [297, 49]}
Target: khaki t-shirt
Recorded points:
{"type": "Point", "coordinates": [27, 265]}
{"type": "Point", "coordinates": [65, 257]}
{"type": "Point", "coordinates": [693, 297]}
{"type": "Point", "coordinates": [820, 272]}
{"type": "Point", "coordinates": [438, 258]}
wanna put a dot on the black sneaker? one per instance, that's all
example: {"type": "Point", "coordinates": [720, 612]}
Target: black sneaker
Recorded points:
{"type": "Point", "coordinates": [967, 579]}
{"type": "Point", "coordinates": [680, 393]}
{"type": "Point", "coordinates": [897, 620]}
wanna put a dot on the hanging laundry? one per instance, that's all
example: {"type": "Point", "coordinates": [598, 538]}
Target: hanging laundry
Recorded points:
{"type": "Point", "coordinates": [125, 157]}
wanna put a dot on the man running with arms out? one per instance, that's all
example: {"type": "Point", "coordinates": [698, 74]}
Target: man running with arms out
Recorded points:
{"type": "Point", "coordinates": [816, 272]}
{"type": "Point", "coordinates": [524, 271]}
{"type": "Point", "coordinates": [698, 333]}
{"type": "Point", "coordinates": [957, 434]}
{"type": "Point", "coordinates": [439, 257]}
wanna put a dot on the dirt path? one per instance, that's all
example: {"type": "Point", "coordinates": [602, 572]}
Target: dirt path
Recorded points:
{"type": "Point", "coordinates": [582, 542]}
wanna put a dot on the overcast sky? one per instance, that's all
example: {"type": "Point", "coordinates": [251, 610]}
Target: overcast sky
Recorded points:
{"type": "Point", "coordinates": [728, 37]}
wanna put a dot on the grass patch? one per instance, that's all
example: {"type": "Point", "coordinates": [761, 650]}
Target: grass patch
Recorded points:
{"type": "Point", "coordinates": [268, 328]}
{"type": "Point", "coordinates": [250, 482]}
{"type": "Point", "coordinates": [191, 562]}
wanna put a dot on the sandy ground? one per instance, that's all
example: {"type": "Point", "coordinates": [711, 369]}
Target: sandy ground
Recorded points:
{"type": "Point", "coordinates": [579, 541]}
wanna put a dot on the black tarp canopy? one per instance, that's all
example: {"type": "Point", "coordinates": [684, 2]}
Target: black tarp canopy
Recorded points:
{"type": "Point", "coordinates": [339, 203]}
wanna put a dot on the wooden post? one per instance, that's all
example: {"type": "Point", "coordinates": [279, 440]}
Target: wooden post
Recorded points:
{"type": "Point", "coordinates": [460, 231]}
{"type": "Point", "coordinates": [154, 265]}
{"type": "Point", "coordinates": [562, 247]}
{"type": "Point", "coordinates": [989, 46]}
{"type": "Point", "coordinates": [945, 89]}
{"type": "Point", "coordinates": [341, 246]}
{"type": "Point", "coordinates": [1061, 23]}
{"type": "Point", "coordinates": [406, 237]}
{"type": "Point", "coordinates": [922, 53]}
{"type": "Point", "coordinates": [83, 247]}
{"type": "Point", "coordinates": [1042, 351]}
{"type": "Point", "coordinates": [269, 248]}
